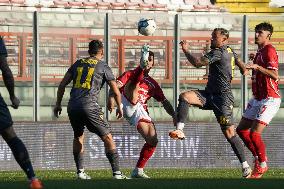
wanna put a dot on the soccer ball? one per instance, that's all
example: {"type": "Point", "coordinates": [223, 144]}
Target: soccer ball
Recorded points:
{"type": "Point", "coordinates": [146, 26]}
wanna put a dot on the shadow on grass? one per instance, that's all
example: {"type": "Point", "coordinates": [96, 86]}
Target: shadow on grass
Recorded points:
{"type": "Point", "coordinates": [153, 184]}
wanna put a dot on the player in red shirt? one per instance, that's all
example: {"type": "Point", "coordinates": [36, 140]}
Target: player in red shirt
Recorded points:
{"type": "Point", "coordinates": [266, 101]}
{"type": "Point", "coordinates": [137, 87]}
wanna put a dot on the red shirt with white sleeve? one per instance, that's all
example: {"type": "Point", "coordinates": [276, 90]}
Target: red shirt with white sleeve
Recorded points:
{"type": "Point", "coordinates": [148, 88]}
{"type": "Point", "coordinates": [264, 86]}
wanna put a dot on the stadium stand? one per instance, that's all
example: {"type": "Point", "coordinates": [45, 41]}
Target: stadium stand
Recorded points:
{"type": "Point", "coordinates": [84, 20]}
{"type": "Point", "coordinates": [249, 6]}
{"type": "Point", "coordinates": [112, 5]}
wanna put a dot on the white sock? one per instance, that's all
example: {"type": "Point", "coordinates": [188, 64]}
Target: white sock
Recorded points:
{"type": "Point", "coordinates": [180, 126]}
{"type": "Point", "coordinates": [139, 170]}
{"type": "Point", "coordinates": [263, 164]}
{"type": "Point", "coordinates": [117, 173]}
{"type": "Point", "coordinates": [245, 164]}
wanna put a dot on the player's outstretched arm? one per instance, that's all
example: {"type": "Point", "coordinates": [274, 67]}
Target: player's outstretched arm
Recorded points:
{"type": "Point", "coordinates": [60, 92]}
{"type": "Point", "coordinates": [269, 72]}
{"type": "Point", "coordinates": [242, 67]}
{"type": "Point", "coordinates": [169, 109]}
{"type": "Point", "coordinates": [111, 100]}
{"type": "Point", "coordinates": [117, 97]}
{"type": "Point", "coordinates": [9, 81]}
{"type": "Point", "coordinates": [195, 61]}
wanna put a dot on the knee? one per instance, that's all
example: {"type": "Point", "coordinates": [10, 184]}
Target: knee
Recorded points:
{"type": "Point", "coordinates": [153, 141]}
{"type": "Point", "coordinates": [239, 130]}
{"type": "Point", "coordinates": [187, 96]}
{"type": "Point", "coordinates": [8, 134]}
{"type": "Point", "coordinates": [229, 131]}
{"type": "Point", "coordinates": [78, 135]}
{"type": "Point", "coordinates": [184, 96]}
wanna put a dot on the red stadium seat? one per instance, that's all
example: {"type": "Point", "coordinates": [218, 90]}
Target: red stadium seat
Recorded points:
{"type": "Point", "coordinates": [18, 2]}
{"type": "Point", "coordinates": [200, 8]}
{"type": "Point", "coordinates": [145, 5]}
{"type": "Point", "coordinates": [90, 4]}
{"type": "Point", "coordinates": [133, 4]}
{"type": "Point", "coordinates": [75, 4]}
{"type": "Point", "coordinates": [118, 5]}
{"type": "Point", "coordinates": [60, 3]}
{"type": "Point", "coordinates": [4, 2]}
{"type": "Point", "coordinates": [103, 4]}
{"type": "Point", "coordinates": [158, 6]}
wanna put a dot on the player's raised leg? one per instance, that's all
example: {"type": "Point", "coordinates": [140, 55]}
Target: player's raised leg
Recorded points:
{"type": "Point", "coordinates": [148, 132]}
{"type": "Point", "coordinates": [132, 86]}
{"type": "Point", "coordinates": [185, 100]}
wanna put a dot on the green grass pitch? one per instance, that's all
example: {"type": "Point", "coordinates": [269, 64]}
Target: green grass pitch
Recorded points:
{"type": "Point", "coordinates": [161, 178]}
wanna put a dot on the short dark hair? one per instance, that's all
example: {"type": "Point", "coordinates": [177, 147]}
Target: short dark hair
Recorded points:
{"type": "Point", "coordinates": [265, 26]}
{"type": "Point", "coordinates": [151, 53]}
{"type": "Point", "coordinates": [95, 46]}
{"type": "Point", "coordinates": [223, 31]}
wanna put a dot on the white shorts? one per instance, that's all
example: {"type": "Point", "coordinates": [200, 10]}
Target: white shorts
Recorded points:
{"type": "Point", "coordinates": [134, 113]}
{"type": "Point", "coordinates": [263, 110]}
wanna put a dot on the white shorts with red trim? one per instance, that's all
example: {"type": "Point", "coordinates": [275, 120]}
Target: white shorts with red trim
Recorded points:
{"type": "Point", "coordinates": [263, 110]}
{"type": "Point", "coordinates": [134, 113]}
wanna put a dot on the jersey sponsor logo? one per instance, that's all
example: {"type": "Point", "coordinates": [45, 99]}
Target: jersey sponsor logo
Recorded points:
{"type": "Point", "coordinates": [223, 120]}
{"type": "Point", "coordinates": [102, 117]}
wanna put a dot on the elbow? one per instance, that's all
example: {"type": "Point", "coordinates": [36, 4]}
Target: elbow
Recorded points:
{"type": "Point", "coordinates": [276, 78]}
{"type": "Point", "coordinates": [116, 94]}
{"type": "Point", "coordinates": [61, 87]}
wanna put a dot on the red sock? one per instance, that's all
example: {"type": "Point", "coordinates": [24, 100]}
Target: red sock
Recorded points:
{"type": "Point", "coordinates": [145, 154]}
{"type": "Point", "coordinates": [245, 136]}
{"type": "Point", "coordinates": [137, 75]}
{"type": "Point", "coordinates": [259, 146]}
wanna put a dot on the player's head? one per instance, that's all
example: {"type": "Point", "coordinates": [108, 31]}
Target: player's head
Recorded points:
{"type": "Point", "coordinates": [150, 62]}
{"type": "Point", "coordinates": [219, 37]}
{"type": "Point", "coordinates": [263, 32]}
{"type": "Point", "coordinates": [96, 47]}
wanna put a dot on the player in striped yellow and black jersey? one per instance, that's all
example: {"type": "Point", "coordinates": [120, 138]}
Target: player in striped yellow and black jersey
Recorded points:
{"type": "Point", "coordinates": [217, 95]}
{"type": "Point", "coordinates": [88, 76]}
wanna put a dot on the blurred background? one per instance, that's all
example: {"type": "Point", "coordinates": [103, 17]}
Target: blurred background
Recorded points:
{"type": "Point", "coordinates": [45, 37]}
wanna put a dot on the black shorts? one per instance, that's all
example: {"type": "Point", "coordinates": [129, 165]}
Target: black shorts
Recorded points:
{"type": "Point", "coordinates": [92, 118]}
{"type": "Point", "coordinates": [221, 104]}
{"type": "Point", "coordinates": [5, 116]}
